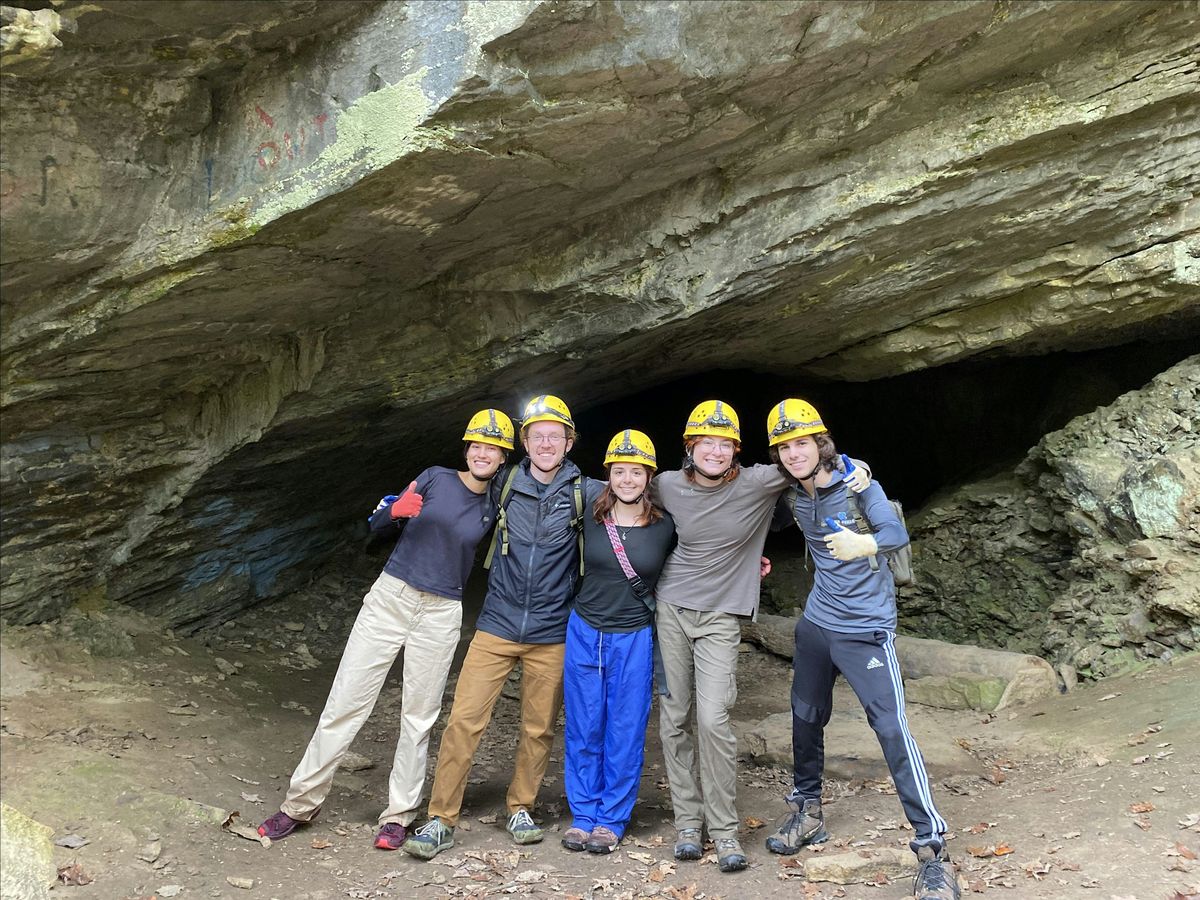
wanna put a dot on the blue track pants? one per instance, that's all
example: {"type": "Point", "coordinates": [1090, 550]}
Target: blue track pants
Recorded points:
{"type": "Point", "coordinates": [868, 662]}
{"type": "Point", "coordinates": [606, 694]}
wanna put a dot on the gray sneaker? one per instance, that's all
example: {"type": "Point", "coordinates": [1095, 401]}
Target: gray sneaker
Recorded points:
{"type": "Point", "coordinates": [688, 844]}
{"type": "Point", "coordinates": [803, 825]}
{"type": "Point", "coordinates": [730, 857]}
{"type": "Point", "coordinates": [936, 878]}
{"type": "Point", "coordinates": [521, 826]}
{"type": "Point", "coordinates": [602, 840]}
{"type": "Point", "coordinates": [429, 840]}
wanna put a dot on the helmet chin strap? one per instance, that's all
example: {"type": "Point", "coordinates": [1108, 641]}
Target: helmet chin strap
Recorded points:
{"type": "Point", "coordinates": [634, 502]}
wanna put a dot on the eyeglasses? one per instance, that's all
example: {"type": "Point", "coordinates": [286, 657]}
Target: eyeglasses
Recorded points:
{"type": "Point", "coordinates": [709, 445]}
{"type": "Point", "coordinates": [553, 439]}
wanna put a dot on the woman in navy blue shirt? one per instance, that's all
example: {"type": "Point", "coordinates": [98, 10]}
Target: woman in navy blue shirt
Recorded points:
{"type": "Point", "coordinates": [416, 603]}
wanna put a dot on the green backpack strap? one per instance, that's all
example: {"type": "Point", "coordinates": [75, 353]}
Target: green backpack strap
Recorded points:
{"type": "Point", "coordinates": [500, 532]}
{"type": "Point", "coordinates": [577, 520]}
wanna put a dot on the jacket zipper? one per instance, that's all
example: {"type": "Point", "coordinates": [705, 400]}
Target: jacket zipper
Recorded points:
{"type": "Point", "coordinates": [537, 530]}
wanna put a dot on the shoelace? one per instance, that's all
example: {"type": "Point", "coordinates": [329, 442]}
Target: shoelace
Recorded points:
{"type": "Point", "coordinates": [931, 875]}
{"type": "Point", "coordinates": [432, 828]}
{"type": "Point", "coordinates": [521, 819]}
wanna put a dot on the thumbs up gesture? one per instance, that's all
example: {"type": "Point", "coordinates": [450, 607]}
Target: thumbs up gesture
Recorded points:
{"type": "Point", "coordinates": [409, 504]}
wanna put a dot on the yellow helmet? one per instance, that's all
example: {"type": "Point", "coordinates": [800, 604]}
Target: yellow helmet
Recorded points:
{"type": "Point", "coordinates": [792, 419]}
{"type": "Point", "coordinates": [712, 417]}
{"type": "Point", "coordinates": [631, 446]}
{"type": "Point", "coordinates": [546, 408]}
{"type": "Point", "coordinates": [490, 426]}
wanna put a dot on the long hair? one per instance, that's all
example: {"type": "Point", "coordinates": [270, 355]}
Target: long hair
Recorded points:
{"type": "Point", "coordinates": [826, 449]}
{"type": "Point", "coordinates": [689, 465]}
{"type": "Point", "coordinates": [607, 500]}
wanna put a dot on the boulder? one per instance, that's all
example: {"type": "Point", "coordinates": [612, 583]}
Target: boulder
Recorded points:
{"type": "Point", "coordinates": [26, 856]}
{"type": "Point", "coordinates": [964, 690]}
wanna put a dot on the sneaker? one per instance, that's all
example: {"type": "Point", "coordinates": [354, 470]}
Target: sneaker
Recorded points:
{"type": "Point", "coordinates": [281, 825]}
{"type": "Point", "coordinates": [391, 836]}
{"type": "Point", "coordinates": [603, 840]}
{"type": "Point", "coordinates": [936, 878]}
{"type": "Point", "coordinates": [521, 826]}
{"type": "Point", "coordinates": [575, 838]}
{"type": "Point", "coordinates": [730, 857]}
{"type": "Point", "coordinates": [429, 840]}
{"type": "Point", "coordinates": [688, 844]}
{"type": "Point", "coordinates": [803, 825]}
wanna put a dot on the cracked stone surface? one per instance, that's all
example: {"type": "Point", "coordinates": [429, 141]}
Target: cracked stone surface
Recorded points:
{"type": "Point", "coordinates": [251, 250]}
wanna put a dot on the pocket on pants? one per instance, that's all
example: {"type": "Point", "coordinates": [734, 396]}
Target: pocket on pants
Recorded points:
{"type": "Point", "coordinates": [731, 692]}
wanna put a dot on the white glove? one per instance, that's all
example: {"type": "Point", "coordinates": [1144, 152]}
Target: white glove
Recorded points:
{"type": "Point", "coordinates": [858, 480]}
{"type": "Point", "coordinates": [844, 544]}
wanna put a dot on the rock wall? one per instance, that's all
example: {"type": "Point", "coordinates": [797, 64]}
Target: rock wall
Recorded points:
{"type": "Point", "coordinates": [1089, 552]}
{"type": "Point", "coordinates": [259, 257]}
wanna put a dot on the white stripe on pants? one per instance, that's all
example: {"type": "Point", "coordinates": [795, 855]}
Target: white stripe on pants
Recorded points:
{"type": "Point", "coordinates": [393, 615]}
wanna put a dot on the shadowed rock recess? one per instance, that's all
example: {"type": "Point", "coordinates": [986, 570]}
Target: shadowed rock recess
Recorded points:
{"type": "Point", "coordinates": [260, 256]}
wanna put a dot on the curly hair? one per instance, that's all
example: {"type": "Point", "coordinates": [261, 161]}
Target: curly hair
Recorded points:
{"type": "Point", "coordinates": [650, 511]}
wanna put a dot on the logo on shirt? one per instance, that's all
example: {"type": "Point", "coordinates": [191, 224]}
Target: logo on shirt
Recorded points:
{"type": "Point", "coordinates": [874, 664]}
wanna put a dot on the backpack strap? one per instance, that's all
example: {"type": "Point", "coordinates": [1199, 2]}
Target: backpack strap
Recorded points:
{"type": "Point", "coordinates": [500, 532]}
{"type": "Point", "coordinates": [862, 524]}
{"type": "Point", "coordinates": [577, 519]}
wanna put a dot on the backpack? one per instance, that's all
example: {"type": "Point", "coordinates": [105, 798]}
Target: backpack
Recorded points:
{"type": "Point", "coordinates": [899, 561]}
{"type": "Point", "coordinates": [500, 534]}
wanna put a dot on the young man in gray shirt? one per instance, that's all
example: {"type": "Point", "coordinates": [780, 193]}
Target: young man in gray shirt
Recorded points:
{"type": "Point", "coordinates": [722, 512]}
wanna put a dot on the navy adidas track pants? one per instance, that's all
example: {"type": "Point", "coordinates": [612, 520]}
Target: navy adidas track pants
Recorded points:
{"type": "Point", "coordinates": [869, 664]}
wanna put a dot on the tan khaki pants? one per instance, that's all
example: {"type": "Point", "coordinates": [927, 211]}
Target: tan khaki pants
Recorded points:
{"type": "Point", "coordinates": [488, 663]}
{"type": "Point", "coordinates": [700, 649]}
{"type": "Point", "coordinates": [393, 615]}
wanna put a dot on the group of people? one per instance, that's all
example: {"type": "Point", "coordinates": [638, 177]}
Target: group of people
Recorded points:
{"type": "Point", "coordinates": [602, 589]}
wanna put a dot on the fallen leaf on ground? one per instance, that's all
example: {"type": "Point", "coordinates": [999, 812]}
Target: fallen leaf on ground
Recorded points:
{"type": "Point", "coordinates": [321, 844]}
{"type": "Point", "coordinates": [489, 819]}
{"type": "Point", "coordinates": [753, 823]}
{"type": "Point", "coordinates": [251, 798]}
{"type": "Point", "coordinates": [1109, 697]}
{"type": "Point", "coordinates": [980, 828]}
{"type": "Point", "coordinates": [73, 873]}
{"type": "Point", "coordinates": [1141, 806]}
{"type": "Point", "coordinates": [238, 881]}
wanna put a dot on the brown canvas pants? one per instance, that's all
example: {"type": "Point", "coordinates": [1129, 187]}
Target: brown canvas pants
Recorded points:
{"type": "Point", "coordinates": [487, 666]}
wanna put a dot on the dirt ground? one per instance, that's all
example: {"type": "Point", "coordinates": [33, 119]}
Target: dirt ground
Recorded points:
{"type": "Point", "coordinates": [143, 754]}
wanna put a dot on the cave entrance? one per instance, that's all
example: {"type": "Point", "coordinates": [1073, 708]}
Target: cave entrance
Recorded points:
{"type": "Point", "coordinates": [921, 432]}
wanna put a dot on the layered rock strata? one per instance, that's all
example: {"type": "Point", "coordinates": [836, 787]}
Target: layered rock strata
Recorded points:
{"type": "Point", "coordinates": [1089, 553]}
{"type": "Point", "coordinates": [258, 256]}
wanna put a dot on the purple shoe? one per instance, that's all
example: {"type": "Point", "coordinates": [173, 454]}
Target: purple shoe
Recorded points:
{"type": "Point", "coordinates": [281, 825]}
{"type": "Point", "coordinates": [391, 836]}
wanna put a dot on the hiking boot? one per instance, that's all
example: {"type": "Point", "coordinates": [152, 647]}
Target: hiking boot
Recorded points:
{"type": "Point", "coordinates": [730, 857]}
{"type": "Point", "coordinates": [430, 839]}
{"type": "Point", "coordinates": [281, 825]}
{"type": "Point", "coordinates": [803, 825]}
{"type": "Point", "coordinates": [936, 878]}
{"type": "Point", "coordinates": [603, 840]}
{"type": "Point", "coordinates": [575, 838]}
{"type": "Point", "coordinates": [391, 836]}
{"type": "Point", "coordinates": [688, 844]}
{"type": "Point", "coordinates": [521, 826]}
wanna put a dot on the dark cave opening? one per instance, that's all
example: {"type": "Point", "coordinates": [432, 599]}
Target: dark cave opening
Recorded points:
{"type": "Point", "coordinates": [921, 432]}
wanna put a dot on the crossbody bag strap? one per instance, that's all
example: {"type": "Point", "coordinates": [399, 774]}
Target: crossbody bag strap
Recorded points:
{"type": "Point", "coordinates": [641, 590]}
{"type": "Point", "coordinates": [635, 580]}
